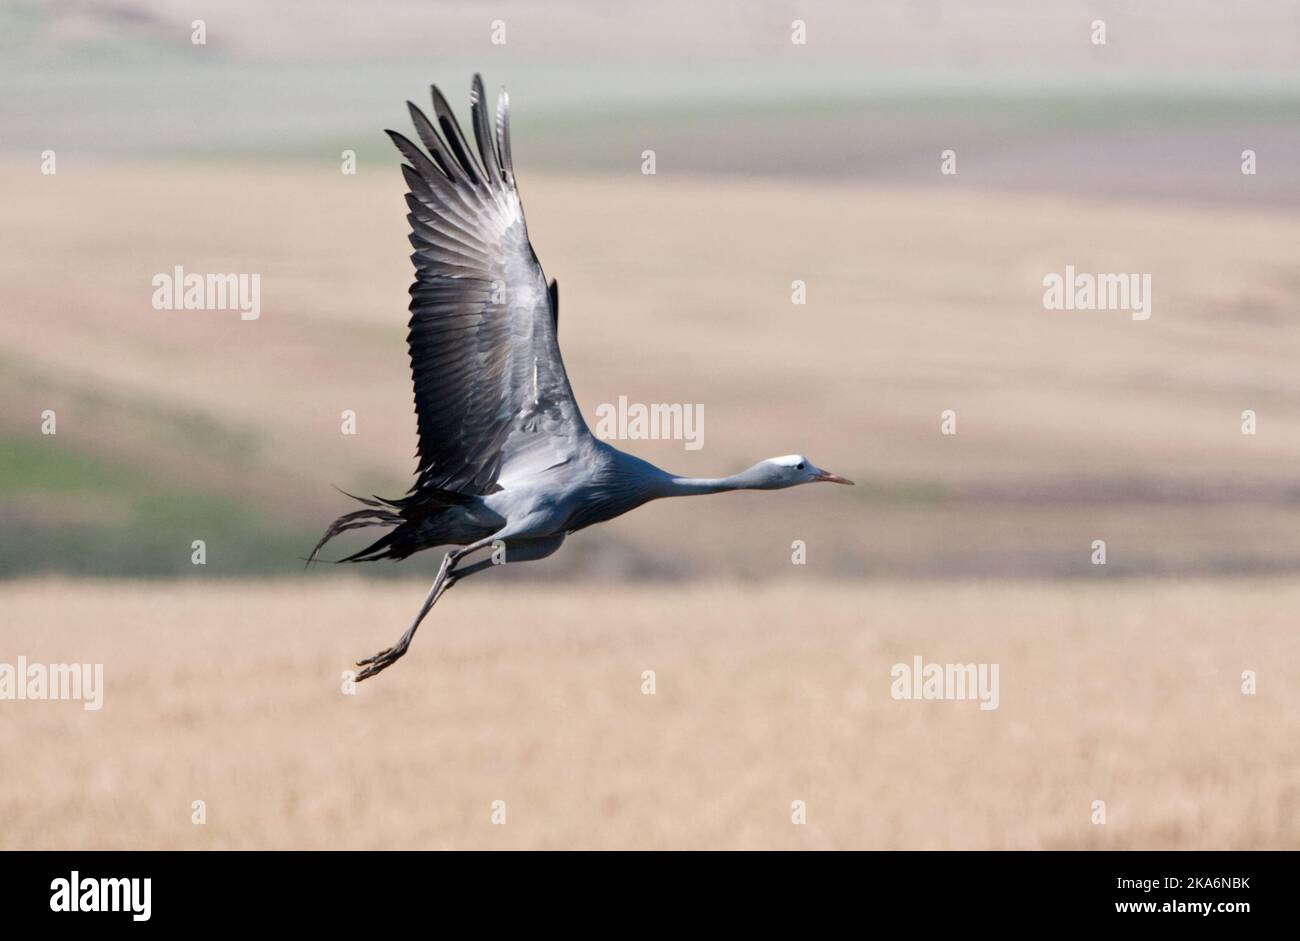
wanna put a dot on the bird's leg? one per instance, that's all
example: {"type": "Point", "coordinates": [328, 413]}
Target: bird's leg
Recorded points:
{"type": "Point", "coordinates": [386, 658]}
{"type": "Point", "coordinates": [447, 576]}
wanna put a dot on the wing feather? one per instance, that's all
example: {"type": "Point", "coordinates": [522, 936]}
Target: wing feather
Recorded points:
{"type": "Point", "coordinates": [487, 149]}
{"type": "Point", "coordinates": [451, 133]}
{"type": "Point", "coordinates": [503, 137]}
{"type": "Point", "coordinates": [490, 387]}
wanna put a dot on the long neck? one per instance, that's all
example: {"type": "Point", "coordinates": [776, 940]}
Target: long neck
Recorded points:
{"type": "Point", "coordinates": [653, 483]}
{"type": "Point", "coordinates": [689, 486]}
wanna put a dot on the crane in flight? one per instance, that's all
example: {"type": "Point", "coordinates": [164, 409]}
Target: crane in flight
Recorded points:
{"type": "Point", "coordinates": [505, 461]}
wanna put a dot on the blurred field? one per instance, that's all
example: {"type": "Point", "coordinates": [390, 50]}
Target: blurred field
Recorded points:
{"type": "Point", "coordinates": [776, 162]}
{"type": "Point", "coordinates": [1072, 425]}
{"type": "Point", "coordinates": [230, 694]}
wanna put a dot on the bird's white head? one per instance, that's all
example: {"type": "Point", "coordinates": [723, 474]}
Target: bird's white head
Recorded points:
{"type": "Point", "coordinates": [791, 470]}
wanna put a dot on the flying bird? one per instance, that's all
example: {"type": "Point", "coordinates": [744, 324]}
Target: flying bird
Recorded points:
{"type": "Point", "coordinates": [505, 461]}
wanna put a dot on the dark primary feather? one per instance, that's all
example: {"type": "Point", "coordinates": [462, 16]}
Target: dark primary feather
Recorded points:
{"type": "Point", "coordinates": [490, 386]}
{"type": "Point", "coordinates": [487, 150]}
{"type": "Point", "coordinates": [503, 136]}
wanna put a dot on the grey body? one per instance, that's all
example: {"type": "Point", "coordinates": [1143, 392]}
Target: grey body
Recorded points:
{"type": "Point", "coordinates": [505, 459]}
{"type": "Point", "coordinates": [599, 483]}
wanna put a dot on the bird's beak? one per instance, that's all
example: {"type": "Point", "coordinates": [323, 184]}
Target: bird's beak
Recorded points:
{"type": "Point", "coordinates": [833, 478]}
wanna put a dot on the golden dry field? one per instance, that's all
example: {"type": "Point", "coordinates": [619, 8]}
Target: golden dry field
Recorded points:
{"type": "Point", "coordinates": [765, 694]}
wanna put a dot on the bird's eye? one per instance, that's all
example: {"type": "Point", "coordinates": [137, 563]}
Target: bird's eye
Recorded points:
{"type": "Point", "coordinates": [798, 467]}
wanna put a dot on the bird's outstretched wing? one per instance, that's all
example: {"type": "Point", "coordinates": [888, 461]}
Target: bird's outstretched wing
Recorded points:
{"type": "Point", "coordinates": [490, 387]}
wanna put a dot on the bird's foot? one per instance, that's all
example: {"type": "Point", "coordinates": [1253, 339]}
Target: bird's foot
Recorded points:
{"type": "Point", "coordinates": [380, 661]}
